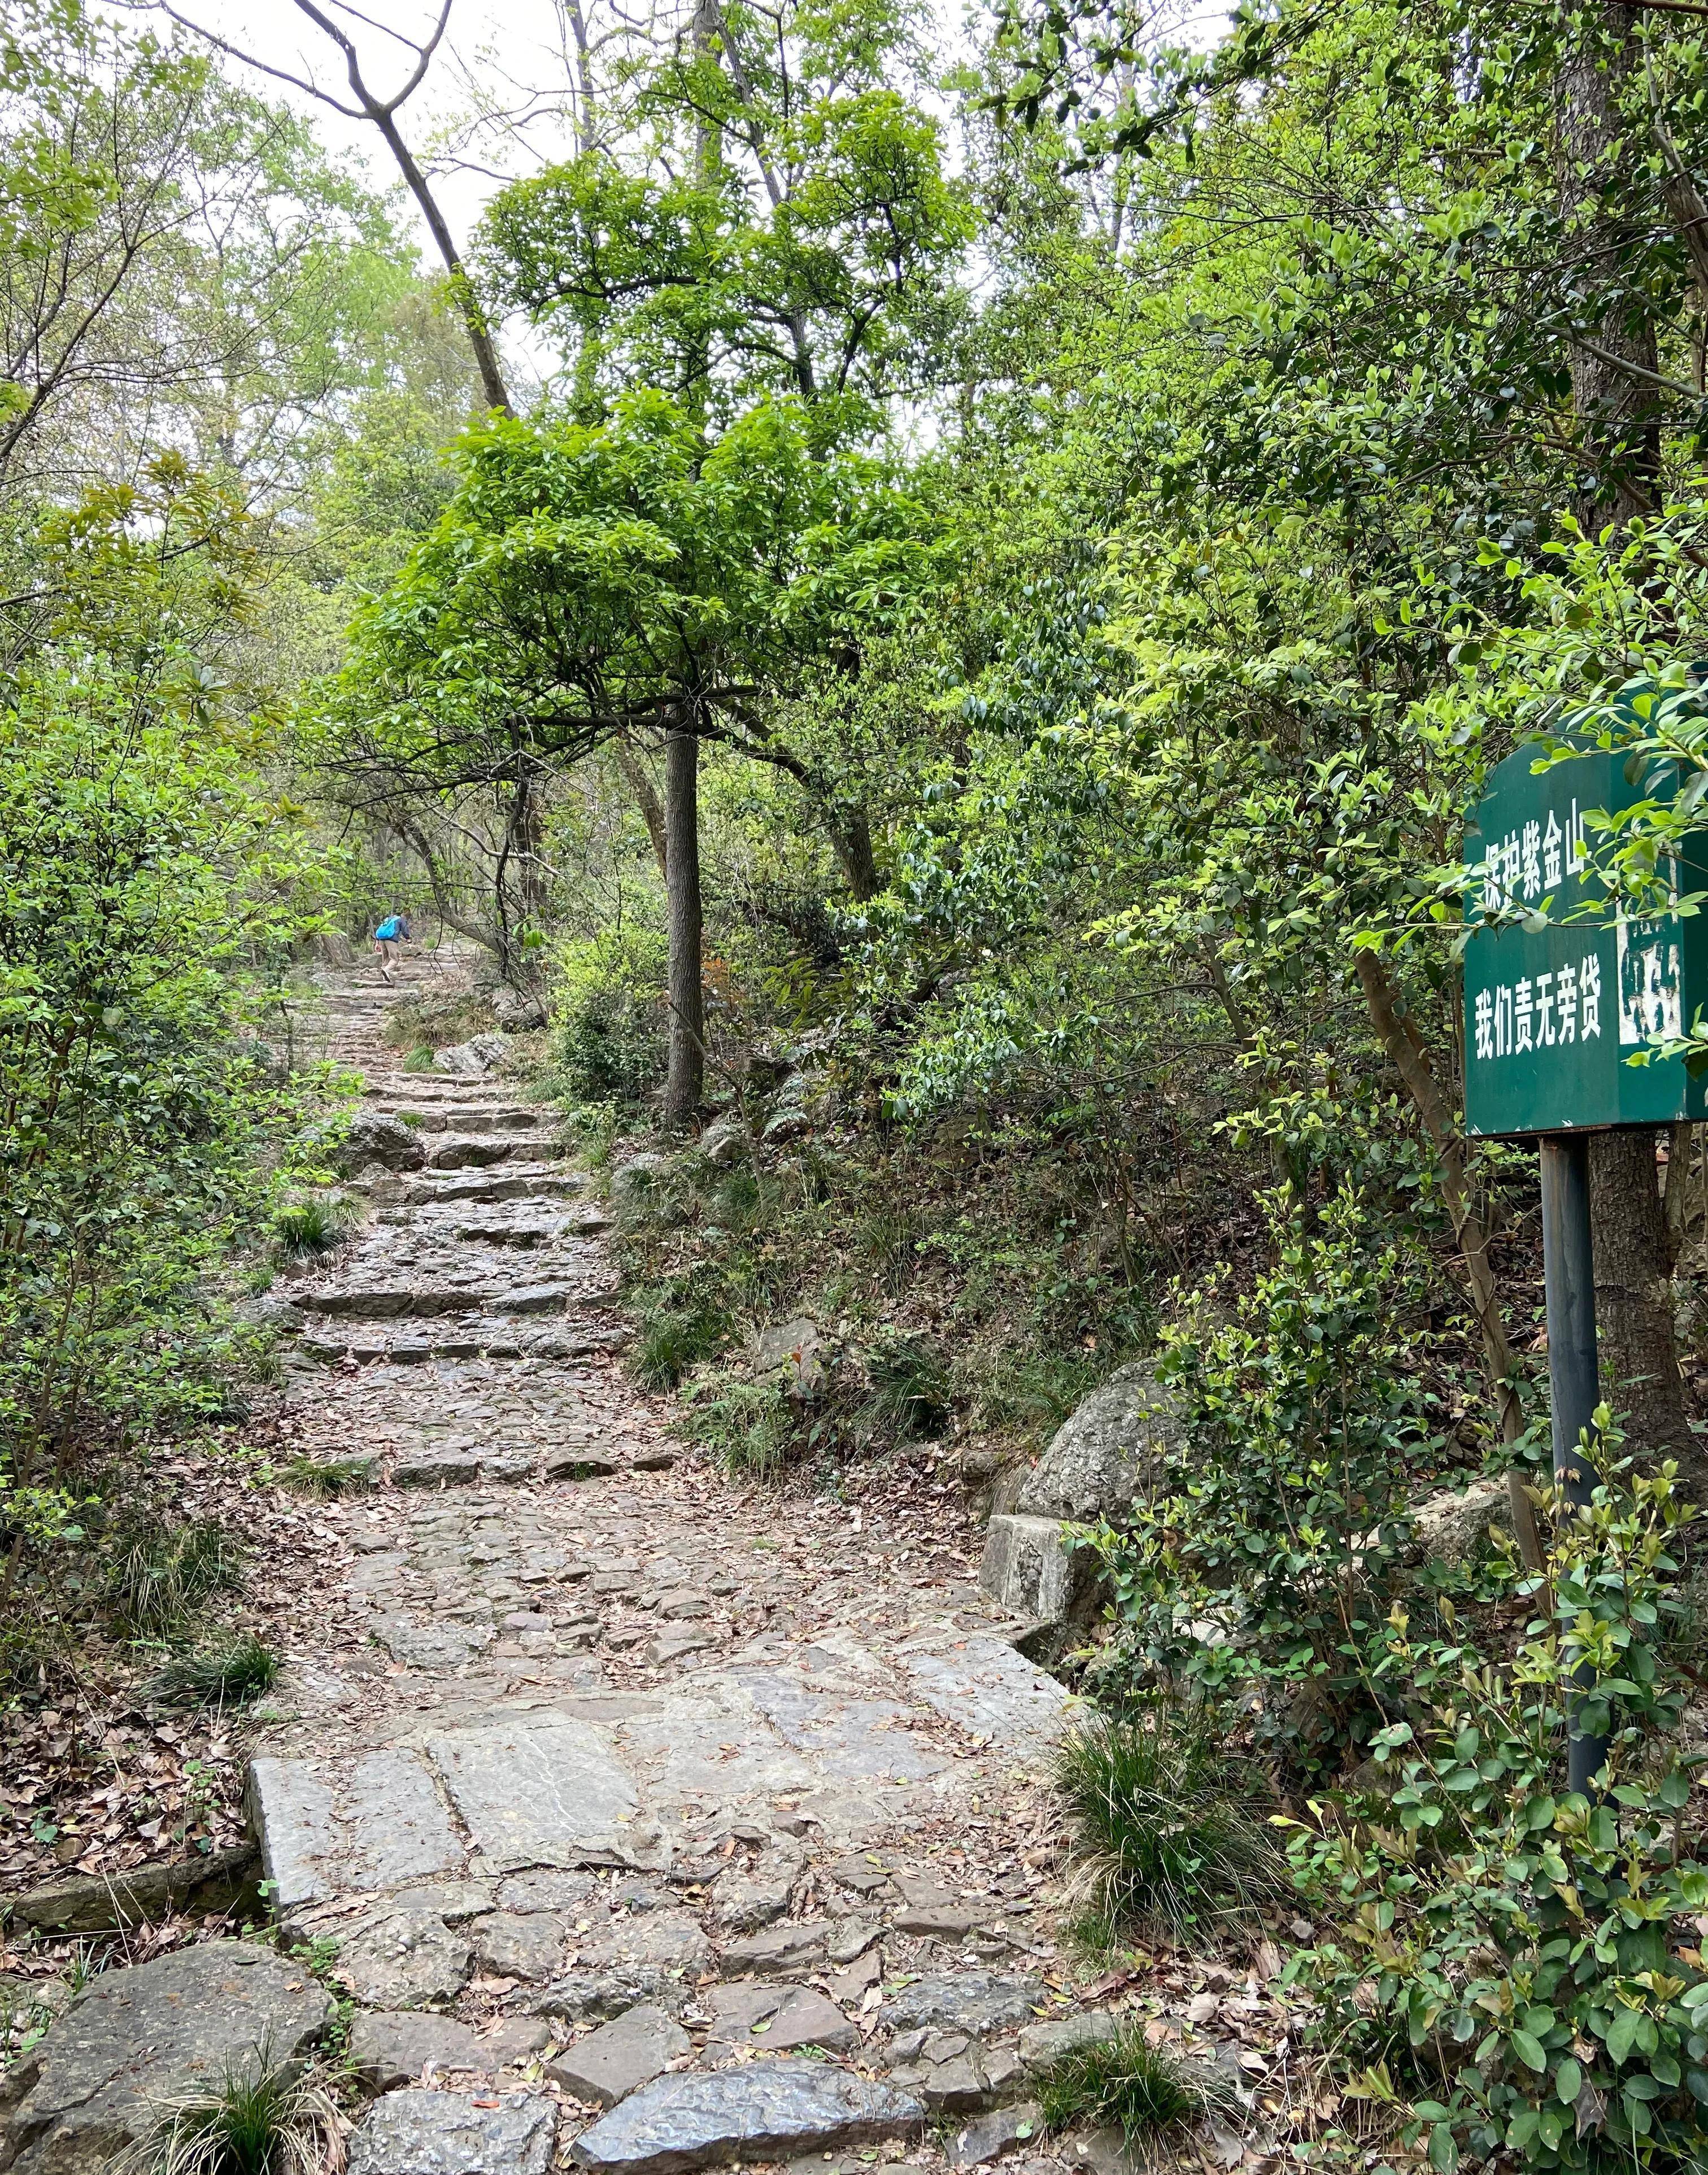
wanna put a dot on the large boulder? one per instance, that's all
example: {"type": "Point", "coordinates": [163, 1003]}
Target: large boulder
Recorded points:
{"type": "Point", "coordinates": [135, 2040]}
{"type": "Point", "coordinates": [1454, 1524]}
{"type": "Point", "coordinates": [475, 1059]}
{"type": "Point", "coordinates": [377, 1136]}
{"type": "Point", "coordinates": [1106, 1454]}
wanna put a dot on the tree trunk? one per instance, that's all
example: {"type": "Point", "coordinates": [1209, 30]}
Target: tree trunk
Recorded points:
{"type": "Point", "coordinates": [634, 776]}
{"type": "Point", "coordinates": [685, 1076]}
{"type": "Point", "coordinates": [852, 840]}
{"type": "Point", "coordinates": [1619, 420]}
{"type": "Point", "coordinates": [1633, 1300]}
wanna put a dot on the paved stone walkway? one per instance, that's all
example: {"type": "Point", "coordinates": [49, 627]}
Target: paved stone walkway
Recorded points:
{"type": "Point", "coordinates": [616, 1784]}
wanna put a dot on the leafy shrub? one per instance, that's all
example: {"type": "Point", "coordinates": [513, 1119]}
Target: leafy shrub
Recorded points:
{"type": "Point", "coordinates": [608, 1002]}
{"type": "Point", "coordinates": [1262, 1558]}
{"type": "Point", "coordinates": [159, 1575]}
{"type": "Point", "coordinates": [750, 1424]}
{"type": "Point", "coordinates": [230, 1675]}
{"type": "Point", "coordinates": [1125, 2082]}
{"type": "Point", "coordinates": [1168, 1827]}
{"type": "Point", "coordinates": [1518, 1966]}
{"type": "Point", "coordinates": [674, 1339]}
{"type": "Point", "coordinates": [907, 1397]}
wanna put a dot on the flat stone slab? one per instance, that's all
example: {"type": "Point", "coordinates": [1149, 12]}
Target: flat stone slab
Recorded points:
{"type": "Point", "coordinates": [763, 2110]}
{"type": "Point", "coordinates": [387, 2050]}
{"type": "Point", "coordinates": [324, 1833]}
{"type": "Point", "coordinates": [435, 1468]}
{"type": "Point", "coordinates": [539, 1790]}
{"type": "Point", "coordinates": [965, 2001]}
{"type": "Point", "coordinates": [424, 2133]}
{"type": "Point", "coordinates": [622, 2056]}
{"type": "Point", "coordinates": [432, 1645]}
{"type": "Point", "coordinates": [405, 1959]}
{"type": "Point", "coordinates": [94, 2084]}
{"type": "Point", "coordinates": [991, 1691]}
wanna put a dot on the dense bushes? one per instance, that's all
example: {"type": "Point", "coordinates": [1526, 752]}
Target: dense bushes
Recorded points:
{"type": "Point", "coordinates": [609, 1016]}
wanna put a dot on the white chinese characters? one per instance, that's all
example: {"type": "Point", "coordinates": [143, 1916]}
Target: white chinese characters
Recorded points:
{"type": "Point", "coordinates": [1539, 1012]}
{"type": "Point", "coordinates": [1529, 862]}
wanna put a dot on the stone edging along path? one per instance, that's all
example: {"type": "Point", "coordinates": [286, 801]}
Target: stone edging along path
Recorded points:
{"type": "Point", "coordinates": [648, 1820]}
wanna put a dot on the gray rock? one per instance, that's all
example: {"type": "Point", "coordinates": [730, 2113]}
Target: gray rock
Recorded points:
{"type": "Point", "coordinates": [389, 2049]}
{"type": "Point", "coordinates": [447, 1467]}
{"type": "Point", "coordinates": [324, 1833]}
{"type": "Point", "coordinates": [527, 1946]}
{"type": "Point", "coordinates": [1107, 1452]}
{"type": "Point", "coordinates": [539, 1790]}
{"type": "Point", "coordinates": [793, 1350]}
{"type": "Point", "coordinates": [475, 1059]}
{"type": "Point", "coordinates": [94, 2084]}
{"type": "Point", "coordinates": [111, 1902]}
{"type": "Point", "coordinates": [1455, 1525]}
{"type": "Point", "coordinates": [622, 2056]}
{"type": "Point", "coordinates": [1034, 1568]}
{"type": "Point", "coordinates": [377, 1136]}
{"type": "Point", "coordinates": [745, 1901]}
{"type": "Point", "coordinates": [405, 1959]}
{"type": "Point", "coordinates": [988, 1689]}
{"type": "Point", "coordinates": [966, 2001]}
{"type": "Point", "coordinates": [804, 2018]}
{"type": "Point", "coordinates": [652, 1956]}
{"type": "Point", "coordinates": [726, 1141]}
{"type": "Point", "coordinates": [422, 2133]}
{"type": "Point", "coordinates": [1041, 2044]}
{"type": "Point", "coordinates": [546, 1891]}
{"type": "Point", "coordinates": [764, 2110]}
{"type": "Point", "coordinates": [432, 1645]}
{"type": "Point", "coordinates": [988, 2137]}
{"type": "Point", "coordinates": [776, 1951]}
{"type": "Point", "coordinates": [676, 1645]}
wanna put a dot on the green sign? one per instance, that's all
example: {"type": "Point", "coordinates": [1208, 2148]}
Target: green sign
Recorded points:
{"type": "Point", "coordinates": [1552, 1013]}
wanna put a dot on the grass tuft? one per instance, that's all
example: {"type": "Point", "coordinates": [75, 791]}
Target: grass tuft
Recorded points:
{"type": "Point", "coordinates": [263, 2117]}
{"type": "Point", "coordinates": [161, 1575]}
{"type": "Point", "coordinates": [1167, 1826]}
{"type": "Point", "coordinates": [673, 1341]}
{"type": "Point", "coordinates": [908, 1397]}
{"type": "Point", "coordinates": [311, 1225]}
{"type": "Point", "coordinates": [1125, 2083]}
{"type": "Point", "coordinates": [328, 1476]}
{"type": "Point", "coordinates": [232, 1675]}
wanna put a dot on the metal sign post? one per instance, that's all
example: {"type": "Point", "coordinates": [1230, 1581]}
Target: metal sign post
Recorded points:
{"type": "Point", "coordinates": [1573, 1376]}
{"type": "Point", "coordinates": [1555, 1007]}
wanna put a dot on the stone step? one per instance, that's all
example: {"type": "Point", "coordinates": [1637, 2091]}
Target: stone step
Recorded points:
{"type": "Point", "coordinates": [512, 1182]}
{"type": "Point", "coordinates": [489, 1339]}
{"type": "Point", "coordinates": [476, 1150]}
{"type": "Point", "coordinates": [467, 1118]}
{"type": "Point", "coordinates": [780, 2108]}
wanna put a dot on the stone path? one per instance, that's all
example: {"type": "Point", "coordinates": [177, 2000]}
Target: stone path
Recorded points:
{"type": "Point", "coordinates": [647, 1818]}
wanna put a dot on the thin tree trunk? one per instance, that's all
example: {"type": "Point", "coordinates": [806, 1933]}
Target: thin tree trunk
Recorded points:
{"type": "Point", "coordinates": [634, 777]}
{"type": "Point", "coordinates": [685, 1079]}
{"type": "Point", "coordinates": [1404, 1047]}
{"type": "Point", "coordinates": [852, 838]}
{"type": "Point", "coordinates": [1634, 1301]}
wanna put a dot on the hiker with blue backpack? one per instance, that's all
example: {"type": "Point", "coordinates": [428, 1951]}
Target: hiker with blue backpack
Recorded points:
{"type": "Point", "coordinates": [391, 931]}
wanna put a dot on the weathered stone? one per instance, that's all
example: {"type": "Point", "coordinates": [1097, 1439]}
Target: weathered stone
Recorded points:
{"type": "Point", "coordinates": [792, 1350]}
{"type": "Point", "coordinates": [475, 1059]}
{"type": "Point", "coordinates": [579, 1465]}
{"type": "Point", "coordinates": [929, 1910]}
{"type": "Point", "coordinates": [622, 2056]}
{"type": "Point", "coordinates": [1108, 1451]}
{"type": "Point", "coordinates": [726, 1141]}
{"type": "Point", "coordinates": [377, 1136]}
{"type": "Point", "coordinates": [405, 1959]}
{"type": "Point", "coordinates": [966, 2001]}
{"type": "Point", "coordinates": [959, 2086]}
{"type": "Point", "coordinates": [990, 1690]}
{"type": "Point", "coordinates": [1033, 1567]}
{"type": "Point", "coordinates": [776, 1949]}
{"type": "Point", "coordinates": [93, 2084]}
{"type": "Point", "coordinates": [423, 2133]}
{"type": "Point", "coordinates": [804, 2018]}
{"type": "Point", "coordinates": [513, 2039]}
{"type": "Point", "coordinates": [634, 1181]}
{"type": "Point", "coordinates": [745, 1901]}
{"type": "Point", "coordinates": [539, 1790]}
{"type": "Point", "coordinates": [760, 2111]}
{"type": "Point", "coordinates": [676, 1645]}
{"type": "Point", "coordinates": [651, 1956]}
{"type": "Point", "coordinates": [323, 1834]}
{"type": "Point", "coordinates": [1455, 1525]}
{"type": "Point", "coordinates": [435, 1468]}
{"type": "Point", "coordinates": [389, 2049]}
{"type": "Point", "coordinates": [1042, 2044]}
{"type": "Point", "coordinates": [441, 1646]}
{"type": "Point", "coordinates": [112, 1902]}
{"type": "Point", "coordinates": [527, 1946]}
{"type": "Point", "coordinates": [988, 2137]}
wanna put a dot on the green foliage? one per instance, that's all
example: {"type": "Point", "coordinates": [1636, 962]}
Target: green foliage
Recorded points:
{"type": "Point", "coordinates": [311, 1225]}
{"type": "Point", "coordinates": [675, 1337]}
{"type": "Point", "coordinates": [908, 1388]}
{"type": "Point", "coordinates": [158, 1576]}
{"type": "Point", "coordinates": [1168, 1827]}
{"type": "Point", "coordinates": [232, 1675]}
{"type": "Point", "coordinates": [264, 2117]}
{"type": "Point", "coordinates": [750, 1426]}
{"type": "Point", "coordinates": [1522, 1965]}
{"type": "Point", "coordinates": [1125, 2083]}
{"type": "Point", "coordinates": [1260, 1553]}
{"type": "Point", "coordinates": [329, 1476]}
{"type": "Point", "coordinates": [608, 1038]}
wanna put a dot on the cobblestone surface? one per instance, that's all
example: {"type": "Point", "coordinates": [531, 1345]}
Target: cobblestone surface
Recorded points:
{"type": "Point", "coordinates": [594, 1727]}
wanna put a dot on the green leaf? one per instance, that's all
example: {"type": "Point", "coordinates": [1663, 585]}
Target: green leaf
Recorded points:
{"type": "Point", "coordinates": [1529, 2051]}
{"type": "Point", "coordinates": [1568, 2080]}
